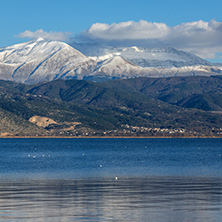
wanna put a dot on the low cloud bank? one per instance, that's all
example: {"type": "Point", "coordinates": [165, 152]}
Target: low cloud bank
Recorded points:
{"type": "Point", "coordinates": [58, 36]}
{"type": "Point", "coordinates": [199, 37]}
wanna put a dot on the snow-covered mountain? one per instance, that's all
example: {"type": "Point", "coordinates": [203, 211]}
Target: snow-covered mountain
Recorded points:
{"type": "Point", "coordinates": [114, 68]}
{"type": "Point", "coordinates": [165, 57]}
{"type": "Point", "coordinates": [42, 60]}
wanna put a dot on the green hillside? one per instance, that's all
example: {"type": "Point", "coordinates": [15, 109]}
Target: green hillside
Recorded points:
{"type": "Point", "coordinates": [140, 107]}
{"type": "Point", "coordinates": [199, 92]}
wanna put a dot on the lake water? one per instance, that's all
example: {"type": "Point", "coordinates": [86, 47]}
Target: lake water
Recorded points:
{"type": "Point", "coordinates": [157, 180]}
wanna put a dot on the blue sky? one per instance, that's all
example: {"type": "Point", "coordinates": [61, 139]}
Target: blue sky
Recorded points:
{"type": "Point", "coordinates": [77, 16]}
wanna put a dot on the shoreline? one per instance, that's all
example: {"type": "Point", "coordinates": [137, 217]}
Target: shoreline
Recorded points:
{"type": "Point", "coordinates": [111, 137]}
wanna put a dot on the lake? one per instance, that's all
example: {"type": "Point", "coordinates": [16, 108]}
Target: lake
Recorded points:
{"type": "Point", "coordinates": [160, 180]}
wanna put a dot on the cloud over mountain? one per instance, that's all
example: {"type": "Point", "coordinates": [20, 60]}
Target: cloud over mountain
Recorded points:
{"type": "Point", "coordinates": [199, 37]}
{"type": "Point", "coordinates": [59, 36]}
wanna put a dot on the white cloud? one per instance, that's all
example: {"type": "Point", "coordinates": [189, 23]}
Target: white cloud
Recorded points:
{"type": "Point", "coordinates": [199, 37]}
{"type": "Point", "coordinates": [127, 30]}
{"type": "Point", "coordinates": [59, 36]}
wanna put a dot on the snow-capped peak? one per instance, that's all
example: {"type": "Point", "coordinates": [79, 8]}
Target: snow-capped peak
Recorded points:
{"type": "Point", "coordinates": [37, 49]}
{"type": "Point", "coordinates": [39, 39]}
{"type": "Point", "coordinates": [44, 60]}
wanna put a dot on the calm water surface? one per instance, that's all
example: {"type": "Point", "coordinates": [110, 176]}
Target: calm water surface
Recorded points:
{"type": "Point", "coordinates": [111, 180]}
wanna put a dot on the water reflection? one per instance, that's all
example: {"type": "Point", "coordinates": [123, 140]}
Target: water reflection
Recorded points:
{"type": "Point", "coordinates": [106, 199]}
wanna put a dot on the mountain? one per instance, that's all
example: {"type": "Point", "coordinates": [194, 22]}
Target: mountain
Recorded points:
{"type": "Point", "coordinates": [165, 57]}
{"type": "Point", "coordinates": [42, 60]}
{"type": "Point", "coordinates": [115, 68]}
{"type": "Point", "coordinates": [204, 93]}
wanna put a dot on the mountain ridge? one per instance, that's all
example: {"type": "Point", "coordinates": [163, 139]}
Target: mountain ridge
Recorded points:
{"type": "Point", "coordinates": [42, 60]}
{"type": "Point", "coordinates": [164, 57]}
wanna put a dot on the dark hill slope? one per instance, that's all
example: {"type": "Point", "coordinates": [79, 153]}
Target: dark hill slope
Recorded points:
{"type": "Point", "coordinates": [189, 92]}
{"type": "Point", "coordinates": [128, 98]}
{"type": "Point", "coordinates": [111, 105]}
